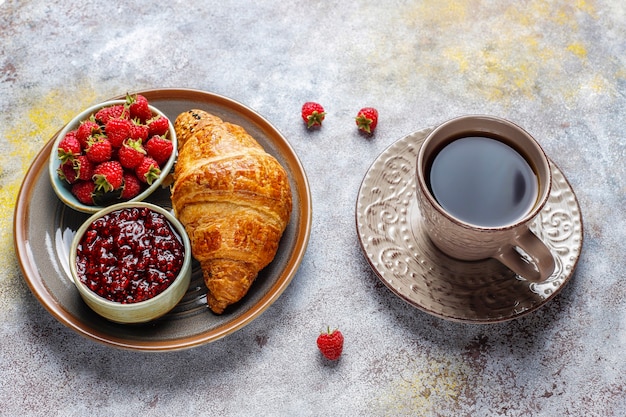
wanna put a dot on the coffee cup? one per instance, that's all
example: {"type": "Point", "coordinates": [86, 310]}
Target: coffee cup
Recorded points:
{"type": "Point", "coordinates": [480, 182]}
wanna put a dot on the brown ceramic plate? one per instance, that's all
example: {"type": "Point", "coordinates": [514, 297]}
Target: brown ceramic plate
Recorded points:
{"type": "Point", "coordinates": [396, 245]}
{"type": "Point", "coordinates": [44, 227]}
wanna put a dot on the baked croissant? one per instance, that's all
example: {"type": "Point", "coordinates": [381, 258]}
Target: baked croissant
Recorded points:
{"type": "Point", "coordinates": [234, 200]}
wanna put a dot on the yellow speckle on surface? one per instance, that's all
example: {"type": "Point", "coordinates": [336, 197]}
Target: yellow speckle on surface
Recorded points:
{"type": "Point", "coordinates": [586, 6]}
{"type": "Point", "coordinates": [24, 140]}
{"type": "Point", "coordinates": [578, 49]}
{"type": "Point", "coordinates": [599, 84]}
{"type": "Point", "coordinates": [457, 55]}
{"type": "Point", "coordinates": [506, 51]}
{"type": "Point", "coordinates": [436, 384]}
{"type": "Point", "coordinates": [446, 12]}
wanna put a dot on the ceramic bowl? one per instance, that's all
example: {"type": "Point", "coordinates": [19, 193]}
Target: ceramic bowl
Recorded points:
{"type": "Point", "coordinates": [62, 188]}
{"type": "Point", "coordinates": [141, 311]}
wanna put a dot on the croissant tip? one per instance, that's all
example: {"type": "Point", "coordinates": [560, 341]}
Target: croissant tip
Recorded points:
{"type": "Point", "coordinates": [214, 305]}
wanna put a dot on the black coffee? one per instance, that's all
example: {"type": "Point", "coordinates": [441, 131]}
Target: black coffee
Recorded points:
{"type": "Point", "coordinates": [482, 181]}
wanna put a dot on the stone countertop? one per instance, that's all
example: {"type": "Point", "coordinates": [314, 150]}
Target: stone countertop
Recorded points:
{"type": "Point", "coordinates": [556, 68]}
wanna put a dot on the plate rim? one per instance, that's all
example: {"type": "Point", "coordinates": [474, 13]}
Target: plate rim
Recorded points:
{"type": "Point", "coordinates": [36, 284]}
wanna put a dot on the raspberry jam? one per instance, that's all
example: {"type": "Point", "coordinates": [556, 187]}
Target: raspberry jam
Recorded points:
{"type": "Point", "coordinates": [129, 255]}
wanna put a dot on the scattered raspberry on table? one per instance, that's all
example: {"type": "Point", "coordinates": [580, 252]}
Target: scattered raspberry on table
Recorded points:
{"type": "Point", "coordinates": [367, 119]}
{"type": "Point", "coordinates": [313, 114]}
{"type": "Point", "coordinates": [330, 343]}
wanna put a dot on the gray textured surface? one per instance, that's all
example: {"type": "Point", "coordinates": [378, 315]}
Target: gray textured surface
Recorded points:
{"type": "Point", "coordinates": [556, 68]}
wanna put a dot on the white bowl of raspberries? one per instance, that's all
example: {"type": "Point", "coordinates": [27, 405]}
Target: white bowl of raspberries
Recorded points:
{"type": "Point", "coordinates": [113, 152]}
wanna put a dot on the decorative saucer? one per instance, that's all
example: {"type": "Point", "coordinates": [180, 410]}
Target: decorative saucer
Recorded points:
{"type": "Point", "coordinates": [395, 244]}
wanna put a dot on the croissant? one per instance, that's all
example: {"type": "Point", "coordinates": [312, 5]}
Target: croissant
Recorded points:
{"type": "Point", "coordinates": [234, 200]}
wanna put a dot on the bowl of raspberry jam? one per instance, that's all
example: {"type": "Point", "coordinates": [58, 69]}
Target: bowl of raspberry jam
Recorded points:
{"type": "Point", "coordinates": [131, 262]}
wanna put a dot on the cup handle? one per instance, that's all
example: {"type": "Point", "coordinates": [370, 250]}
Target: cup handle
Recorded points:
{"type": "Point", "coordinates": [538, 268]}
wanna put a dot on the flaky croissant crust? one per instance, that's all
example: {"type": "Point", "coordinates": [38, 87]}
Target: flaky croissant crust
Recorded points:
{"type": "Point", "coordinates": [234, 200]}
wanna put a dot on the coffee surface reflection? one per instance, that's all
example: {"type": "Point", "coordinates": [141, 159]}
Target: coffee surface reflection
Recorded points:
{"type": "Point", "coordinates": [482, 181]}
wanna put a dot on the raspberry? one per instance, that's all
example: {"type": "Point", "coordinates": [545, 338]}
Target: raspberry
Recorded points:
{"type": "Point", "coordinates": [138, 106]}
{"type": "Point", "coordinates": [131, 153]}
{"type": "Point", "coordinates": [108, 176]}
{"type": "Point", "coordinates": [148, 170]}
{"type": "Point", "coordinates": [84, 192]}
{"type": "Point", "coordinates": [313, 114]}
{"type": "Point", "coordinates": [132, 186]}
{"type": "Point", "coordinates": [158, 126]}
{"type": "Point", "coordinates": [367, 119]}
{"type": "Point", "coordinates": [117, 131]}
{"type": "Point", "coordinates": [67, 173]}
{"type": "Point", "coordinates": [330, 344]}
{"type": "Point", "coordinates": [138, 131]}
{"type": "Point", "coordinates": [160, 149]}
{"type": "Point", "coordinates": [116, 111]}
{"type": "Point", "coordinates": [69, 147]}
{"type": "Point", "coordinates": [83, 167]}
{"type": "Point", "coordinates": [86, 131]}
{"type": "Point", "coordinates": [99, 150]}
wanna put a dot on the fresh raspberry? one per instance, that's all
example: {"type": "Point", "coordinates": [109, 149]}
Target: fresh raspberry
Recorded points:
{"type": "Point", "coordinates": [86, 130]}
{"type": "Point", "coordinates": [73, 133]}
{"type": "Point", "coordinates": [117, 130]}
{"type": "Point", "coordinates": [367, 119]}
{"type": "Point", "coordinates": [108, 176]}
{"type": "Point", "coordinates": [148, 170]}
{"type": "Point", "coordinates": [66, 172]}
{"type": "Point", "coordinates": [132, 186]}
{"type": "Point", "coordinates": [69, 147]}
{"type": "Point", "coordinates": [138, 107]}
{"type": "Point", "coordinates": [313, 114]}
{"type": "Point", "coordinates": [84, 191]}
{"type": "Point", "coordinates": [131, 153]}
{"type": "Point", "coordinates": [99, 150]}
{"type": "Point", "coordinates": [83, 167]}
{"type": "Point", "coordinates": [116, 111]}
{"type": "Point", "coordinates": [158, 126]}
{"type": "Point", "coordinates": [160, 149]}
{"type": "Point", "coordinates": [330, 344]}
{"type": "Point", "coordinates": [138, 131]}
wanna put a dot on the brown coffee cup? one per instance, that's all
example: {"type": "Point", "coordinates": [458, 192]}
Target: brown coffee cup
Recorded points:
{"type": "Point", "coordinates": [463, 232]}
